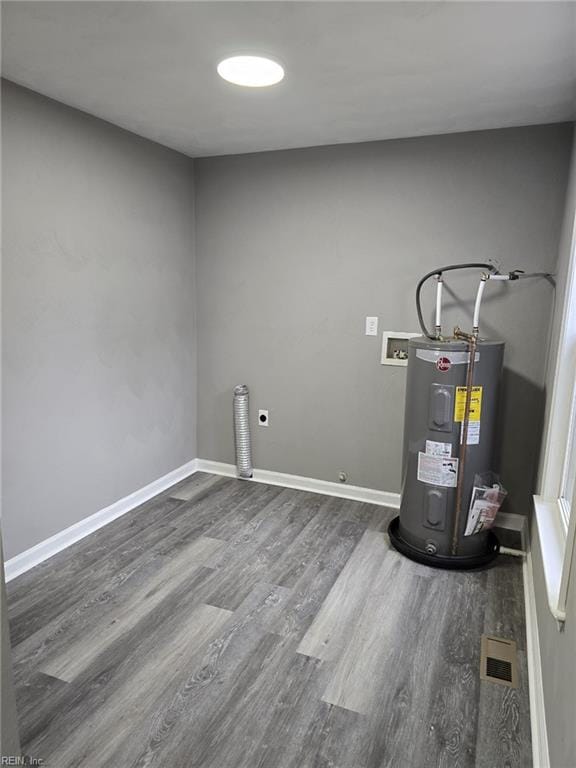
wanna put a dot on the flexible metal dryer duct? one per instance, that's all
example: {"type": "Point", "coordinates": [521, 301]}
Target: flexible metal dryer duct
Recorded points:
{"type": "Point", "coordinates": [242, 432]}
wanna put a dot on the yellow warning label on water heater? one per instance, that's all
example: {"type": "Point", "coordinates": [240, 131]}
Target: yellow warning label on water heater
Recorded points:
{"type": "Point", "coordinates": [475, 404]}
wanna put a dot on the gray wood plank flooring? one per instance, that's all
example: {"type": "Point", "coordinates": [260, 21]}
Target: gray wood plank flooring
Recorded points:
{"type": "Point", "coordinates": [228, 624]}
{"type": "Point", "coordinates": [76, 656]}
{"type": "Point", "coordinates": [327, 637]}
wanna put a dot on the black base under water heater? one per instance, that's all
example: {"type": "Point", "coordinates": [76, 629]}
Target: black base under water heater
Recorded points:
{"type": "Point", "coordinates": [428, 528]}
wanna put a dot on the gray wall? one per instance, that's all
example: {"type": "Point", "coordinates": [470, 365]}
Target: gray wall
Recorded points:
{"type": "Point", "coordinates": [99, 349]}
{"type": "Point", "coordinates": [558, 649]}
{"type": "Point", "coordinates": [295, 248]}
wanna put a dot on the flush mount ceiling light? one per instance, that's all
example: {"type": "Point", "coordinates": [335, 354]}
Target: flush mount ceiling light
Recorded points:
{"type": "Point", "coordinates": [251, 71]}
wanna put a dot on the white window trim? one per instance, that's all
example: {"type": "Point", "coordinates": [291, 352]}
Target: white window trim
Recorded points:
{"type": "Point", "coordinates": [557, 547]}
{"type": "Point", "coordinates": [556, 532]}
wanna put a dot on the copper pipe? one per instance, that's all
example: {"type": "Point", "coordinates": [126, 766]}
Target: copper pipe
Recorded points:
{"type": "Point", "coordinates": [471, 340]}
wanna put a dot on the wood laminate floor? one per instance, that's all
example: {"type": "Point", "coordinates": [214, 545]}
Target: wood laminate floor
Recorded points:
{"type": "Point", "coordinates": [228, 624]}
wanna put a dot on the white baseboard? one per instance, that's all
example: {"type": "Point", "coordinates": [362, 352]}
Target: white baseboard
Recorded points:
{"type": "Point", "coordinates": [45, 549]}
{"type": "Point", "coordinates": [540, 753]}
{"type": "Point", "coordinates": [325, 487]}
{"type": "Point", "coordinates": [49, 547]}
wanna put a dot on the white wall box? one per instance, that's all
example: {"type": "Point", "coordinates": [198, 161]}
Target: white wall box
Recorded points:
{"type": "Point", "coordinates": [395, 347]}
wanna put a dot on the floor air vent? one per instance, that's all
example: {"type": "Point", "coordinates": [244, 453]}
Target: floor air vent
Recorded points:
{"type": "Point", "coordinates": [498, 663]}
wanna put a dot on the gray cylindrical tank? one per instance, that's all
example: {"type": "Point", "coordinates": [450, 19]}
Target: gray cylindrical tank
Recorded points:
{"type": "Point", "coordinates": [432, 428]}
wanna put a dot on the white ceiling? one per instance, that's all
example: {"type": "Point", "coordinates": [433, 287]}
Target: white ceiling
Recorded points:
{"type": "Point", "coordinates": [355, 71]}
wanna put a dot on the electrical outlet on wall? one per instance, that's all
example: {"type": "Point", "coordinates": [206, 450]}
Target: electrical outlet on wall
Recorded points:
{"type": "Point", "coordinates": [263, 420]}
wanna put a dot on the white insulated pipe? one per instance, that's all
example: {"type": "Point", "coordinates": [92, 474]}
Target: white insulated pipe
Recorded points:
{"type": "Point", "coordinates": [438, 323]}
{"type": "Point", "coordinates": [476, 320]}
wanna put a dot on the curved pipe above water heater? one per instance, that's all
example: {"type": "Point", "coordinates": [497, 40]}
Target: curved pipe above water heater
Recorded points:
{"type": "Point", "coordinates": [489, 273]}
{"type": "Point", "coordinates": [438, 273]}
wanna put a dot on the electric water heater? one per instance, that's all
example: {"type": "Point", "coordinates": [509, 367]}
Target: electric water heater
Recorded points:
{"type": "Point", "coordinates": [433, 425]}
{"type": "Point", "coordinates": [450, 492]}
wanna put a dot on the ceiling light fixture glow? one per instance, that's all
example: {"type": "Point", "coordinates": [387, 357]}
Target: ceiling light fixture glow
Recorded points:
{"type": "Point", "coordinates": [251, 71]}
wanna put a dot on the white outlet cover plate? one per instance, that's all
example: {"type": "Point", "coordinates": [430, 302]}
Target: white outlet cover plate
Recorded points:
{"type": "Point", "coordinates": [263, 412]}
{"type": "Point", "coordinates": [371, 326]}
